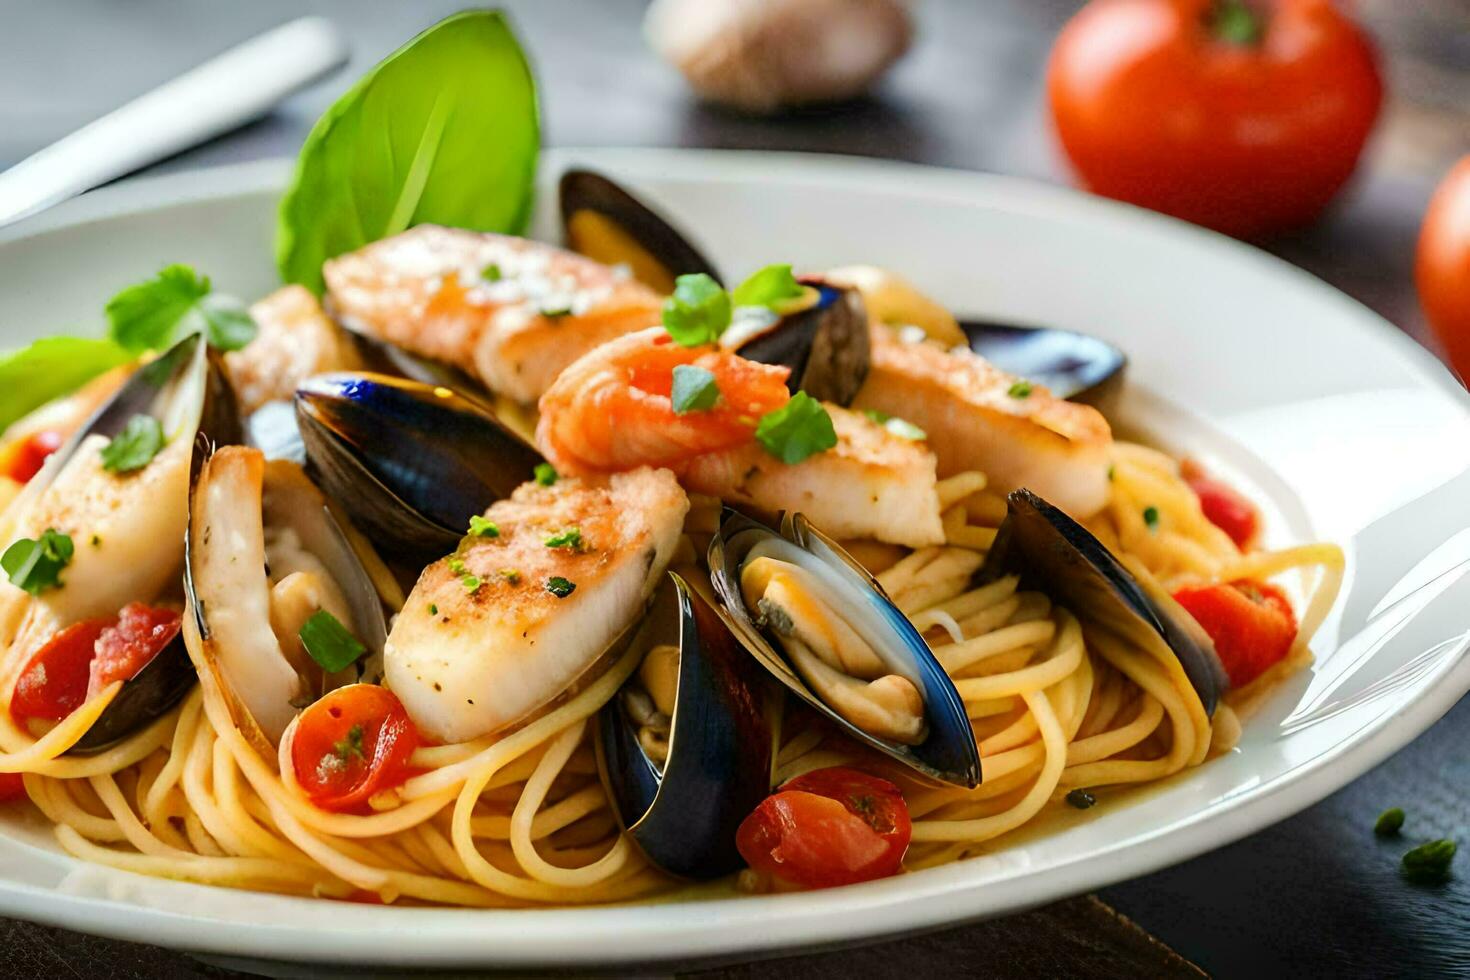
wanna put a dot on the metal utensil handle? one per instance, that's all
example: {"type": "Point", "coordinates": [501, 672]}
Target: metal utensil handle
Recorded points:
{"type": "Point", "coordinates": [223, 93]}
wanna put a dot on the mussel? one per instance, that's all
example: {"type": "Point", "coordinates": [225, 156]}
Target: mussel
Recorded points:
{"type": "Point", "coordinates": [604, 222]}
{"type": "Point", "coordinates": [768, 584]}
{"type": "Point", "coordinates": [263, 556]}
{"type": "Point", "coordinates": [685, 749]}
{"type": "Point", "coordinates": [1054, 554]}
{"type": "Point", "coordinates": [409, 462]}
{"type": "Point", "coordinates": [186, 391]}
{"type": "Point", "coordinates": [1071, 365]}
{"type": "Point", "coordinates": [822, 337]}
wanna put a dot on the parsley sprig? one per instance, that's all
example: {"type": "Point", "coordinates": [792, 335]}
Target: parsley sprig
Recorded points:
{"type": "Point", "coordinates": [697, 312]}
{"type": "Point", "coordinates": [797, 430]}
{"type": "Point", "coordinates": [135, 446]}
{"type": "Point", "coordinates": [35, 565]}
{"type": "Point", "coordinates": [150, 314]}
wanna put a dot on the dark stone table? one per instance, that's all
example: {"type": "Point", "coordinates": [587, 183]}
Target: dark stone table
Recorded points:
{"type": "Point", "coordinates": [1314, 895]}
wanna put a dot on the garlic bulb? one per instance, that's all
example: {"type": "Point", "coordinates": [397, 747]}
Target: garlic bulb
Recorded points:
{"type": "Point", "coordinates": [761, 55]}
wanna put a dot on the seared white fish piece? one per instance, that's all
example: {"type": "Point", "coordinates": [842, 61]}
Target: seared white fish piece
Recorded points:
{"type": "Point", "coordinates": [978, 417]}
{"type": "Point", "coordinates": [511, 621]}
{"type": "Point", "coordinates": [296, 340]}
{"type": "Point", "coordinates": [511, 311]}
{"type": "Point", "coordinates": [872, 484]}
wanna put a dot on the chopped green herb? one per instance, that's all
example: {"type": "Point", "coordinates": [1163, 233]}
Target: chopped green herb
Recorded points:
{"type": "Point", "coordinates": [481, 528]}
{"type": "Point", "coordinates": [470, 582]}
{"type": "Point", "coordinates": [35, 565]}
{"type": "Point", "coordinates": [768, 287]}
{"type": "Point", "coordinates": [1021, 389]}
{"type": "Point", "coordinates": [1389, 822]}
{"type": "Point", "coordinates": [880, 417]}
{"type": "Point", "coordinates": [96, 540]}
{"type": "Point", "coordinates": [135, 446]}
{"type": "Point", "coordinates": [566, 538]}
{"type": "Point", "coordinates": [456, 565]}
{"type": "Point", "coordinates": [511, 575]}
{"type": "Point", "coordinates": [433, 609]}
{"type": "Point", "coordinates": [905, 429]}
{"type": "Point", "coordinates": [148, 315]}
{"type": "Point", "coordinates": [1151, 518]}
{"type": "Point", "coordinates": [796, 430]}
{"type": "Point", "coordinates": [491, 273]}
{"type": "Point", "coordinates": [329, 643]}
{"type": "Point", "coordinates": [697, 312]}
{"type": "Point", "coordinates": [351, 746]}
{"type": "Point", "coordinates": [1112, 472]}
{"type": "Point", "coordinates": [560, 587]}
{"type": "Point", "coordinates": [556, 312]}
{"type": "Point", "coordinates": [1081, 799]}
{"type": "Point", "coordinates": [1429, 862]}
{"type": "Point", "coordinates": [694, 389]}
{"type": "Point", "coordinates": [545, 474]}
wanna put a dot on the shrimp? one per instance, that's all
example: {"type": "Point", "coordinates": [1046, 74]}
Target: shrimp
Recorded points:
{"type": "Point", "coordinates": [510, 311]}
{"type": "Point", "coordinates": [612, 409]}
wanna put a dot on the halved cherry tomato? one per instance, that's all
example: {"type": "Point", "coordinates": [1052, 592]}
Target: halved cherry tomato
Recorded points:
{"type": "Point", "coordinates": [1245, 116]}
{"type": "Point", "coordinates": [54, 681]}
{"type": "Point", "coordinates": [829, 827]}
{"type": "Point", "coordinates": [1442, 266]}
{"type": "Point", "coordinates": [1223, 505]}
{"type": "Point", "coordinates": [12, 787]}
{"type": "Point", "coordinates": [127, 646]}
{"type": "Point", "coordinates": [1251, 623]}
{"type": "Point", "coordinates": [354, 742]}
{"type": "Point", "coordinates": [24, 459]}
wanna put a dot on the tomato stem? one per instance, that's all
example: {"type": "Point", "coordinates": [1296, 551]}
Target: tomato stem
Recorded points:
{"type": "Point", "coordinates": [1235, 22]}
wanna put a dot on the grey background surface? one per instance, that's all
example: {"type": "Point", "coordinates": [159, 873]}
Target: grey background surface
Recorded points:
{"type": "Point", "coordinates": [1317, 895]}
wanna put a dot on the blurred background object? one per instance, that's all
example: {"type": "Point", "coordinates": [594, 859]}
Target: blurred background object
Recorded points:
{"type": "Point", "coordinates": [1442, 268]}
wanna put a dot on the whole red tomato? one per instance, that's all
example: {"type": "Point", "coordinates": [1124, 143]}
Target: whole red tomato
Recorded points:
{"type": "Point", "coordinates": [1442, 268]}
{"type": "Point", "coordinates": [1245, 116]}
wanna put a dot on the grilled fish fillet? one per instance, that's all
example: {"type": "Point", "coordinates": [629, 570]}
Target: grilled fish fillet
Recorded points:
{"type": "Point", "coordinates": [1058, 449]}
{"type": "Point", "coordinates": [511, 311]}
{"type": "Point", "coordinates": [872, 484]}
{"type": "Point", "coordinates": [296, 340]}
{"type": "Point", "coordinates": [484, 641]}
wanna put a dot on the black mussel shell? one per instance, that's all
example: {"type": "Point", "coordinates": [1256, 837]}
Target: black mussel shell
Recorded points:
{"type": "Point", "coordinates": [826, 345]}
{"type": "Point", "coordinates": [409, 462]}
{"type": "Point", "coordinates": [720, 748]}
{"type": "Point", "coordinates": [948, 753]}
{"type": "Point", "coordinates": [1069, 364]}
{"type": "Point", "coordinates": [665, 254]}
{"type": "Point", "coordinates": [1055, 555]}
{"type": "Point", "coordinates": [146, 696]}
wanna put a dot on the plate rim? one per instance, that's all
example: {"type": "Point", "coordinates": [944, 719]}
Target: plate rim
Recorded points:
{"type": "Point", "coordinates": [628, 934]}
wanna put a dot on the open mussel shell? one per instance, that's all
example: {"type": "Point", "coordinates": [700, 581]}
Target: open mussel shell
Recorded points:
{"type": "Point", "coordinates": [1054, 554]}
{"type": "Point", "coordinates": [186, 389]}
{"type": "Point", "coordinates": [409, 462]}
{"type": "Point", "coordinates": [684, 815]}
{"type": "Point", "coordinates": [604, 222]}
{"type": "Point", "coordinates": [825, 343]}
{"type": "Point", "coordinates": [1070, 365]}
{"type": "Point", "coordinates": [948, 752]}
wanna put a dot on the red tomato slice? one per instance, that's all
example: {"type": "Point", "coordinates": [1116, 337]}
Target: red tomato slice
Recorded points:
{"type": "Point", "coordinates": [1251, 623]}
{"type": "Point", "coordinates": [834, 826]}
{"type": "Point", "coordinates": [54, 682]}
{"type": "Point", "coordinates": [128, 645]}
{"type": "Point", "coordinates": [1223, 505]}
{"type": "Point", "coordinates": [354, 742]}
{"type": "Point", "coordinates": [12, 787]}
{"type": "Point", "coordinates": [24, 459]}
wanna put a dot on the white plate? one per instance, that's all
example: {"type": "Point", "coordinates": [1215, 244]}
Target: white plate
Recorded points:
{"type": "Point", "coordinates": [1353, 434]}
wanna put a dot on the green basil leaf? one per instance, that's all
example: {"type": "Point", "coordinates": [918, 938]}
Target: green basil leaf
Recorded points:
{"type": "Point", "coordinates": [49, 368]}
{"type": "Point", "coordinates": [35, 565]}
{"type": "Point", "coordinates": [796, 430]}
{"type": "Point", "coordinates": [769, 287]}
{"type": "Point", "coordinates": [697, 312]}
{"type": "Point", "coordinates": [135, 446]}
{"type": "Point", "coordinates": [694, 389]}
{"type": "Point", "coordinates": [329, 643]}
{"type": "Point", "coordinates": [443, 130]}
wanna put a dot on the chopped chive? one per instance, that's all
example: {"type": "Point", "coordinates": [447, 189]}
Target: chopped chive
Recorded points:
{"type": "Point", "coordinates": [1151, 518]}
{"type": "Point", "coordinates": [470, 582]}
{"type": "Point", "coordinates": [567, 538]}
{"type": "Point", "coordinates": [329, 643]}
{"type": "Point", "coordinates": [433, 609]}
{"type": "Point", "coordinates": [1021, 389]}
{"type": "Point", "coordinates": [560, 587]}
{"type": "Point", "coordinates": [481, 528]}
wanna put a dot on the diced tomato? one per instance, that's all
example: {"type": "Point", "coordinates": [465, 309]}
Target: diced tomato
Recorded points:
{"type": "Point", "coordinates": [1251, 623]}
{"type": "Point", "coordinates": [12, 787]}
{"type": "Point", "coordinates": [1223, 505]}
{"type": "Point", "coordinates": [23, 460]}
{"type": "Point", "coordinates": [834, 826]}
{"type": "Point", "coordinates": [54, 682]}
{"type": "Point", "coordinates": [127, 646]}
{"type": "Point", "coordinates": [354, 742]}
